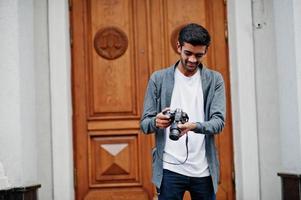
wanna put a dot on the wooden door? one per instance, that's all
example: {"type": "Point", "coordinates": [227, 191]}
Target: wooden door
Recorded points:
{"type": "Point", "coordinates": [116, 45]}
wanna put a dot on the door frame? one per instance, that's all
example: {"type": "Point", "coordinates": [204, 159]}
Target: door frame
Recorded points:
{"type": "Point", "coordinates": [243, 106]}
{"type": "Point", "coordinates": [60, 100]}
{"type": "Point", "coordinates": [243, 96]}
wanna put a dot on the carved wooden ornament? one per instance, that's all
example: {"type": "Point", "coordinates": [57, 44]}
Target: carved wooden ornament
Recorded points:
{"type": "Point", "coordinates": [174, 37]}
{"type": "Point", "coordinates": [110, 42]}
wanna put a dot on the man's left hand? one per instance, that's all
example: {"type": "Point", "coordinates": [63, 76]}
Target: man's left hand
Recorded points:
{"type": "Point", "coordinates": [188, 126]}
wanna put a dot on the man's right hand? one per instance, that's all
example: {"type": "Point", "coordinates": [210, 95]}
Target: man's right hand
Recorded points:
{"type": "Point", "coordinates": [163, 121]}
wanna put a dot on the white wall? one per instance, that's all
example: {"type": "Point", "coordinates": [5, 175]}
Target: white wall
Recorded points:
{"type": "Point", "coordinates": [18, 144]}
{"type": "Point", "coordinates": [243, 97]}
{"type": "Point", "coordinates": [267, 99]}
{"type": "Point", "coordinates": [61, 106]}
{"type": "Point", "coordinates": [287, 28]}
{"type": "Point", "coordinates": [10, 140]}
{"type": "Point", "coordinates": [42, 97]}
{"type": "Point", "coordinates": [275, 136]}
{"type": "Point", "coordinates": [25, 142]}
{"type": "Point", "coordinates": [35, 93]}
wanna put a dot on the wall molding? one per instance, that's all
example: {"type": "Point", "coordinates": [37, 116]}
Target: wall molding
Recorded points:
{"type": "Point", "coordinates": [243, 96]}
{"type": "Point", "coordinates": [61, 106]}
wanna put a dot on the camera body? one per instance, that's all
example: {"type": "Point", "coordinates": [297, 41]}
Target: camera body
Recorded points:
{"type": "Point", "coordinates": [177, 116]}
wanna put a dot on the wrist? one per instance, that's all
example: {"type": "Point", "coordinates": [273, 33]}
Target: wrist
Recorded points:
{"type": "Point", "coordinates": [195, 127]}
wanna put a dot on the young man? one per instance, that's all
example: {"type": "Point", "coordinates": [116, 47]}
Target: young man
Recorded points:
{"type": "Point", "coordinates": [189, 163]}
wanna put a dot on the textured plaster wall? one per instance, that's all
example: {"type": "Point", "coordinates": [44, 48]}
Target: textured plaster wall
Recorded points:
{"type": "Point", "coordinates": [267, 99]}
{"type": "Point", "coordinates": [18, 144]}
{"type": "Point", "coordinates": [287, 28]}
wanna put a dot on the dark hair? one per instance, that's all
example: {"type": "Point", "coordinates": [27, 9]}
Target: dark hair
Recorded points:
{"type": "Point", "coordinates": [194, 34]}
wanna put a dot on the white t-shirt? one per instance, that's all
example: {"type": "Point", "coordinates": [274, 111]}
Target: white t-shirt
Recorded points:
{"type": "Point", "coordinates": [187, 95]}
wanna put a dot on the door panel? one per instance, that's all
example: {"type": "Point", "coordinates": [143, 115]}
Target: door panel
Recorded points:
{"type": "Point", "coordinates": [116, 45]}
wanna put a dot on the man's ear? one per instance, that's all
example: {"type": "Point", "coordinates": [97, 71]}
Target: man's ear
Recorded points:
{"type": "Point", "coordinates": [206, 49]}
{"type": "Point", "coordinates": [179, 47]}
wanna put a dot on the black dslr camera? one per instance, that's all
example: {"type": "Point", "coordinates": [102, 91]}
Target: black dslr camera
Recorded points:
{"type": "Point", "coordinates": [177, 116]}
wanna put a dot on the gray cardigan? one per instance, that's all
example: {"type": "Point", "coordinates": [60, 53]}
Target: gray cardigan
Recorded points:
{"type": "Point", "coordinates": [158, 96]}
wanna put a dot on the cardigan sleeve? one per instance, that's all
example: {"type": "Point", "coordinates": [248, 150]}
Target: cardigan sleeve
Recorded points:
{"type": "Point", "coordinates": [217, 111]}
{"type": "Point", "coordinates": [151, 100]}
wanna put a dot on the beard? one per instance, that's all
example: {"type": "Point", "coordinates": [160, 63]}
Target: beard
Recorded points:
{"type": "Point", "coordinates": [189, 66]}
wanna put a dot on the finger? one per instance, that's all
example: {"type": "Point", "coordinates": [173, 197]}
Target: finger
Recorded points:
{"type": "Point", "coordinates": [162, 123]}
{"type": "Point", "coordinates": [165, 122]}
{"type": "Point", "coordinates": [182, 126]}
{"type": "Point", "coordinates": [162, 116]}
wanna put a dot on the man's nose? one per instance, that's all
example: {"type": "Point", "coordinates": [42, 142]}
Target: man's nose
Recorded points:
{"type": "Point", "coordinates": [192, 59]}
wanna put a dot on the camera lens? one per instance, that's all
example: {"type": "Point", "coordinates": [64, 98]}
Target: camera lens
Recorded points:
{"type": "Point", "coordinates": [174, 132]}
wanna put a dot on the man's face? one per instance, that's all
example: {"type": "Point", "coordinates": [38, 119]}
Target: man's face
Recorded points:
{"type": "Point", "coordinates": [191, 57]}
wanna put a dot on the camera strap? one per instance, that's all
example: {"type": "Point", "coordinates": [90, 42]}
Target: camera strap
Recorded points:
{"type": "Point", "coordinates": [179, 162]}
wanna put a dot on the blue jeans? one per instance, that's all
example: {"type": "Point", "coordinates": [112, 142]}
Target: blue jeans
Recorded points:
{"type": "Point", "coordinates": [174, 186]}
